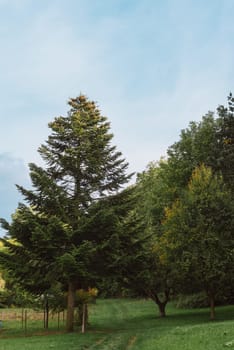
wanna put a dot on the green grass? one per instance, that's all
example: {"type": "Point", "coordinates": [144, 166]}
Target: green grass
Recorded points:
{"type": "Point", "coordinates": [132, 325]}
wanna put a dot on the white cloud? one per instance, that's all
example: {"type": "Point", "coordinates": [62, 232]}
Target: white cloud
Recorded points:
{"type": "Point", "coordinates": [150, 70]}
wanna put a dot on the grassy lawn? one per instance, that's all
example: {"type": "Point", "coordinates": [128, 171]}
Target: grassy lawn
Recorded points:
{"type": "Point", "coordinates": [131, 325]}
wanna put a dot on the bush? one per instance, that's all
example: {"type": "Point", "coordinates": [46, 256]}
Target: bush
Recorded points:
{"type": "Point", "coordinates": [192, 301]}
{"type": "Point", "coordinates": [200, 300]}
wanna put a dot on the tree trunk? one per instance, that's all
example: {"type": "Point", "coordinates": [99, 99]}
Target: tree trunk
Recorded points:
{"type": "Point", "coordinates": [161, 304]}
{"type": "Point", "coordinates": [70, 307]}
{"type": "Point", "coordinates": [212, 307]}
{"type": "Point", "coordinates": [84, 317]}
{"type": "Point", "coordinates": [162, 307]}
{"type": "Point", "coordinates": [46, 314]}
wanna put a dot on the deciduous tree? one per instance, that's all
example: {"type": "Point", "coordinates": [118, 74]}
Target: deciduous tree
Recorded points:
{"type": "Point", "coordinates": [198, 236]}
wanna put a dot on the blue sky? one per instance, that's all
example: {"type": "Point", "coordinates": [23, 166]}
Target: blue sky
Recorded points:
{"type": "Point", "coordinates": [152, 66]}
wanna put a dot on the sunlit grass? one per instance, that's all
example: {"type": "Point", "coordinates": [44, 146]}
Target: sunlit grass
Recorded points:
{"type": "Point", "coordinates": [126, 324]}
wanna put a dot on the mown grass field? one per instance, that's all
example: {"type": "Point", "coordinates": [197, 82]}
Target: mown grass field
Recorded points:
{"type": "Point", "coordinates": [130, 325]}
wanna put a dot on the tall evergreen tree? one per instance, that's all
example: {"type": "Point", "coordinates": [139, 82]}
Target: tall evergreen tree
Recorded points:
{"type": "Point", "coordinates": [81, 167]}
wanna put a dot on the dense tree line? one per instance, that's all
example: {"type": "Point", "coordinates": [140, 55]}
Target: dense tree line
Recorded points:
{"type": "Point", "coordinates": [188, 206]}
{"type": "Point", "coordinates": [170, 232]}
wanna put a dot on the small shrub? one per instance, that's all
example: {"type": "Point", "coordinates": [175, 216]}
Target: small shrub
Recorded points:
{"type": "Point", "coordinates": [192, 301]}
{"type": "Point", "coordinates": [200, 300]}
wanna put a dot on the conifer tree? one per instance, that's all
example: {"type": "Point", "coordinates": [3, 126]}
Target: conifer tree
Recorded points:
{"type": "Point", "coordinates": [81, 167]}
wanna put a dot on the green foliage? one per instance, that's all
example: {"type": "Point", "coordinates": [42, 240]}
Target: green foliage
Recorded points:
{"type": "Point", "coordinates": [16, 297]}
{"type": "Point", "coordinates": [82, 167]}
{"type": "Point", "coordinates": [198, 233]}
{"type": "Point", "coordinates": [192, 301]}
{"type": "Point", "coordinates": [172, 230]}
{"type": "Point", "coordinates": [209, 142]}
{"type": "Point", "coordinates": [197, 145]}
{"type": "Point", "coordinates": [200, 300]}
{"type": "Point", "coordinates": [225, 142]}
{"type": "Point", "coordinates": [151, 275]}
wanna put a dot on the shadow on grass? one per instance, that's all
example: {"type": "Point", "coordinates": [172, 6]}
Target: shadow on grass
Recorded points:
{"type": "Point", "coordinates": [136, 316]}
{"type": "Point", "coordinates": [222, 313]}
{"type": "Point", "coordinates": [175, 317]}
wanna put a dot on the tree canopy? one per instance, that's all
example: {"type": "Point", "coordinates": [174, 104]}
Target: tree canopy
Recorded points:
{"type": "Point", "coordinates": [171, 231]}
{"type": "Point", "coordinates": [198, 237]}
{"type": "Point", "coordinates": [81, 167]}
